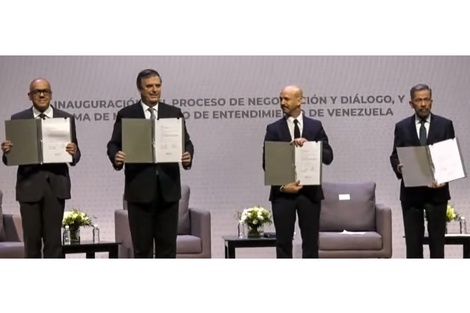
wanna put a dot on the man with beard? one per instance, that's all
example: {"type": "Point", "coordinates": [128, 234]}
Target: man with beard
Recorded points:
{"type": "Point", "coordinates": [294, 199]}
{"type": "Point", "coordinates": [422, 128]}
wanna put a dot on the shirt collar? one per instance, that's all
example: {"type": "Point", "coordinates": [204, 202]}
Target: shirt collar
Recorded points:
{"type": "Point", "coordinates": [145, 107]}
{"type": "Point", "coordinates": [298, 118]}
{"type": "Point", "coordinates": [418, 119]}
{"type": "Point", "coordinates": [48, 112]}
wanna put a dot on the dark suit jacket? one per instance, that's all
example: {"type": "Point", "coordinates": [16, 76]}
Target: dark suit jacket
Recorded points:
{"type": "Point", "coordinates": [30, 179]}
{"type": "Point", "coordinates": [406, 135]}
{"type": "Point", "coordinates": [140, 179]}
{"type": "Point", "coordinates": [312, 131]}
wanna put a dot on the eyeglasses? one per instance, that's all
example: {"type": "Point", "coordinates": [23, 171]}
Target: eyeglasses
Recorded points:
{"type": "Point", "coordinates": [38, 92]}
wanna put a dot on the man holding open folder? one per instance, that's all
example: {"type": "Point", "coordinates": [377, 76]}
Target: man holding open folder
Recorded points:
{"type": "Point", "coordinates": [42, 188]}
{"type": "Point", "coordinates": [420, 129]}
{"type": "Point", "coordinates": [293, 198]}
{"type": "Point", "coordinates": [152, 190]}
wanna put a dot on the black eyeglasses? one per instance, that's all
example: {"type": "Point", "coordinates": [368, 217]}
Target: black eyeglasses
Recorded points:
{"type": "Point", "coordinates": [38, 92]}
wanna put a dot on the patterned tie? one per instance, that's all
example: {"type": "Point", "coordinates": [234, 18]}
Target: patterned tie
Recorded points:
{"type": "Point", "coordinates": [42, 116]}
{"type": "Point", "coordinates": [296, 129]}
{"type": "Point", "coordinates": [152, 113]}
{"type": "Point", "coordinates": [422, 133]}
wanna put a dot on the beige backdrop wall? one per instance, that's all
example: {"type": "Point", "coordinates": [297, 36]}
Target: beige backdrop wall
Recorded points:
{"type": "Point", "coordinates": [228, 102]}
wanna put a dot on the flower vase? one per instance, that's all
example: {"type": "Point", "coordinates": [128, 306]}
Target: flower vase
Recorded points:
{"type": "Point", "coordinates": [74, 234]}
{"type": "Point", "coordinates": [255, 231]}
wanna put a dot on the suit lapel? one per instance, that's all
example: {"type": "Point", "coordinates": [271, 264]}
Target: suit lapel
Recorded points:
{"type": "Point", "coordinates": [412, 130]}
{"type": "Point", "coordinates": [433, 128]}
{"type": "Point", "coordinates": [138, 111]}
{"type": "Point", "coordinates": [162, 110]}
{"type": "Point", "coordinates": [56, 112]}
{"type": "Point", "coordinates": [285, 133]}
{"type": "Point", "coordinates": [305, 127]}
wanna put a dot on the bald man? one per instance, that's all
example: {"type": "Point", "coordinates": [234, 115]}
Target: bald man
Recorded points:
{"type": "Point", "coordinates": [294, 199]}
{"type": "Point", "coordinates": [41, 189]}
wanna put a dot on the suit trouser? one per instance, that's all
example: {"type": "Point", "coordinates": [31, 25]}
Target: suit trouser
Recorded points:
{"type": "Point", "coordinates": [284, 214]}
{"type": "Point", "coordinates": [156, 221]}
{"type": "Point", "coordinates": [413, 219]}
{"type": "Point", "coordinates": [42, 223]}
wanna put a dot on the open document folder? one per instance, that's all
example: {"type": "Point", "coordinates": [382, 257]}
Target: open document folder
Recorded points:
{"type": "Point", "coordinates": [37, 141]}
{"type": "Point", "coordinates": [441, 162]}
{"type": "Point", "coordinates": [284, 163]}
{"type": "Point", "coordinates": [153, 141]}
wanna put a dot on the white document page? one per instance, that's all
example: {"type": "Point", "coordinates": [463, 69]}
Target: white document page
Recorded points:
{"type": "Point", "coordinates": [308, 163]}
{"type": "Point", "coordinates": [168, 145]}
{"type": "Point", "coordinates": [55, 137]}
{"type": "Point", "coordinates": [447, 161]}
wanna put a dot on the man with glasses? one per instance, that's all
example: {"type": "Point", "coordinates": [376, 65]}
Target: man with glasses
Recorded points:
{"type": "Point", "coordinates": [41, 189]}
{"type": "Point", "coordinates": [422, 128]}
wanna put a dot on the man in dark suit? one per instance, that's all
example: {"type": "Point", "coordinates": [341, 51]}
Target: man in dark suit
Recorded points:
{"type": "Point", "coordinates": [41, 189]}
{"type": "Point", "coordinates": [293, 198]}
{"type": "Point", "coordinates": [423, 128]}
{"type": "Point", "coordinates": [152, 191]}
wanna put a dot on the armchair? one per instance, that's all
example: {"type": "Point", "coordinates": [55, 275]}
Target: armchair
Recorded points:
{"type": "Point", "coordinates": [352, 224]}
{"type": "Point", "coordinates": [194, 230]}
{"type": "Point", "coordinates": [11, 234]}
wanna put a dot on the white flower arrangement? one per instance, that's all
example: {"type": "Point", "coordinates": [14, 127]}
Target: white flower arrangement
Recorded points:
{"type": "Point", "coordinates": [75, 219]}
{"type": "Point", "coordinates": [255, 216]}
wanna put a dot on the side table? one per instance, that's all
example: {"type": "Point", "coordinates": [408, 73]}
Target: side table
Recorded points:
{"type": "Point", "coordinates": [456, 239]}
{"type": "Point", "coordinates": [233, 242]}
{"type": "Point", "coordinates": [90, 248]}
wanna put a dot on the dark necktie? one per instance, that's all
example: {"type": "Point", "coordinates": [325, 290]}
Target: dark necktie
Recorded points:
{"type": "Point", "coordinates": [422, 133]}
{"type": "Point", "coordinates": [152, 113]}
{"type": "Point", "coordinates": [42, 116]}
{"type": "Point", "coordinates": [296, 129]}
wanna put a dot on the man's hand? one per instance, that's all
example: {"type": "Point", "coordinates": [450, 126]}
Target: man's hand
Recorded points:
{"type": "Point", "coordinates": [71, 148]}
{"type": "Point", "coordinates": [119, 158]}
{"type": "Point", "coordinates": [6, 146]}
{"type": "Point", "coordinates": [293, 187]}
{"type": "Point", "coordinates": [299, 142]}
{"type": "Point", "coordinates": [399, 167]}
{"type": "Point", "coordinates": [186, 159]}
{"type": "Point", "coordinates": [435, 185]}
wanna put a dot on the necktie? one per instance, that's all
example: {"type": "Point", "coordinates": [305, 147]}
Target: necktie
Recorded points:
{"type": "Point", "coordinates": [422, 133]}
{"type": "Point", "coordinates": [152, 113]}
{"type": "Point", "coordinates": [42, 116]}
{"type": "Point", "coordinates": [296, 129]}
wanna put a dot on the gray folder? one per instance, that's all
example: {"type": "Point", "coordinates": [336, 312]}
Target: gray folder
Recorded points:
{"type": "Point", "coordinates": [441, 162]}
{"type": "Point", "coordinates": [137, 140]}
{"type": "Point", "coordinates": [279, 163]}
{"type": "Point", "coordinates": [24, 136]}
{"type": "Point", "coordinates": [417, 166]}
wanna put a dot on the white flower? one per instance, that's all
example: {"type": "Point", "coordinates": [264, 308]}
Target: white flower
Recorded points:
{"type": "Point", "coordinates": [255, 216]}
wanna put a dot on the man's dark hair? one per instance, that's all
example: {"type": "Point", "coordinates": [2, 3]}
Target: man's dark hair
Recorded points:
{"type": "Point", "coordinates": [146, 74]}
{"type": "Point", "coordinates": [420, 87]}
